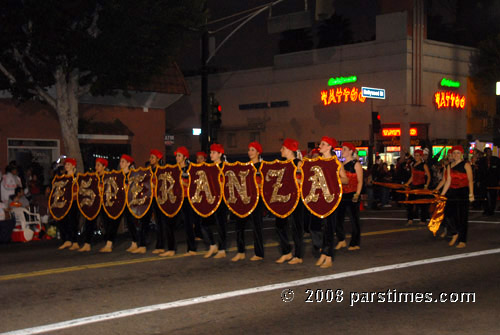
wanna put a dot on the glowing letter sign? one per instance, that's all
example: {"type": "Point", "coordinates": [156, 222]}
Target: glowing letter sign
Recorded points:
{"type": "Point", "coordinates": [390, 132]}
{"type": "Point", "coordinates": [342, 80]}
{"type": "Point", "coordinates": [447, 99]}
{"type": "Point", "coordinates": [449, 83]}
{"type": "Point", "coordinates": [339, 95]}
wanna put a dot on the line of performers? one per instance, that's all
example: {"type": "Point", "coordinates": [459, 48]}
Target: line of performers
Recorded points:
{"type": "Point", "coordinates": [322, 229]}
{"type": "Point", "coordinates": [458, 187]}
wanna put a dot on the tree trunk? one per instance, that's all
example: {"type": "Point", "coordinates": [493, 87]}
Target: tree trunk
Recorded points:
{"type": "Point", "coordinates": [67, 110]}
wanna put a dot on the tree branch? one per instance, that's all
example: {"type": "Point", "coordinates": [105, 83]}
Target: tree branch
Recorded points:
{"type": "Point", "coordinates": [9, 75]}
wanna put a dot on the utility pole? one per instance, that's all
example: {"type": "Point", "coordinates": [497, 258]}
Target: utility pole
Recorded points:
{"type": "Point", "coordinates": [205, 125]}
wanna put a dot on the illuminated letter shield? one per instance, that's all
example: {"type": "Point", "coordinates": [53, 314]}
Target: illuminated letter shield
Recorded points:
{"type": "Point", "coordinates": [321, 188]}
{"type": "Point", "coordinates": [169, 190]}
{"type": "Point", "coordinates": [205, 188]}
{"type": "Point", "coordinates": [61, 196]}
{"type": "Point", "coordinates": [280, 190]}
{"type": "Point", "coordinates": [241, 192]}
{"type": "Point", "coordinates": [88, 196]}
{"type": "Point", "coordinates": [140, 191]}
{"type": "Point", "coordinates": [114, 193]}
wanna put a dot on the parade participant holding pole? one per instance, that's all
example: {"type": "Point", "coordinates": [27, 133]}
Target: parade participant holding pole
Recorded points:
{"type": "Point", "coordinates": [290, 151]}
{"type": "Point", "coordinates": [350, 198]}
{"type": "Point", "coordinates": [68, 226]}
{"type": "Point", "coordinates": [186, 213]}
{"type": "Point", "coordinates": [254, 152]}
{"type": "Point", "coordinates": [459, 189]}
{"type": "Point", "coordinates": [90, 225]}
{"type": "Point", "coordinates": [420, 179]}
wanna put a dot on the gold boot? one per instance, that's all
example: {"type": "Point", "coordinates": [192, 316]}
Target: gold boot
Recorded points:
{"type": "Point", "coordinates": [453, 240]}
{"type": "Point", "coordinates": [327, 264]}
{"type": "Point", "coordinates": [239, 256]}
{"type": "Point", "coordinates": [107, 248]}
{"type": "Point", "coordinates": [74, 246]}
{"type": "Point", "coordinates": [140, 250]}
{"type": "Point", "coordinates": [220, 254]}
{"type": "Point", "coordinates": [212, 251]}
{"type": "Point", "coordinates": [341, 244]}
{"type": "Point", "coordinates": [284, 258]}
{"type": "Point", "coordinates": [461, 245]}
{"type": "Point", "coordinates": [158, 251]}
{"type": "Point", "coordinates": [65, 245]}
{"type": "Point", "coordinates": [295, 260]}
{"type": "Point", "coordinates": [132, 247]}
{"type": "Point", "coordinates": [321, 260]}
{"type": "Point", "coordinates": [85, 248]}
{"type": "Point", "coordinates": [256, 258]}
{"type": "Point", "coordinates": [168, 253]}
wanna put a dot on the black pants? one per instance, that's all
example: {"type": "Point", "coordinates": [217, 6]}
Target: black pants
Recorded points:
{"type": "Point", "coordinates": [258, 241]}
{"type": "Point", "coordinates": [186, 214]}
{"type": "Point", "coordinates": [422, 208]}
{"type": "Point", "coordinates": [490, 203]}
{"type": "Point", "coordinates": [68, 226]}
{"type": "Point", "coordinates": [220, 219]}
{"type": "Point", "coordinates": [297, 226]}
{"type": "Point", "coordinates": [353, 207]}
{"type": "Point", "coordinates": [161, 228]}
{"type": "Point", "coordinates": [328, 247]}
{"type": "Point", "coordinates": [316, 227]}
{"type": "Point", "coordinates": [458, 203]}
{"type": "Point", "coordinates": [113, 224]}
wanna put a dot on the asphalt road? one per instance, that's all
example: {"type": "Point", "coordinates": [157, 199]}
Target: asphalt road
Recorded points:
{"type": "Point", "coordinates": [393, 285]}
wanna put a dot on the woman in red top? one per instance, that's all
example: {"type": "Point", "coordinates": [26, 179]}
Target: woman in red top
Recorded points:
{"type": "Point", "coordinates": [254, 152]}
{"type": "Point", "coordinates": [68, 226]}
{"type": "Point", "coordinates": [420, 179]}
{"type": "Point", "coordinates": [459, 189]}
{"type": "Point", "coordinates": [350, 198]}
{"type": "Point", "coordinates": [186, 213]}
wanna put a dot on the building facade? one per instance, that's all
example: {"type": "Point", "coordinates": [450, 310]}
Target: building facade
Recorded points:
{"type": "Point", "coordinates": [427, 95]}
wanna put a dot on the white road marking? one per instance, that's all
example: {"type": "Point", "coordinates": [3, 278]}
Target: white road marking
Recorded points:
{"type": "Point", "coordinates": [237, 293]}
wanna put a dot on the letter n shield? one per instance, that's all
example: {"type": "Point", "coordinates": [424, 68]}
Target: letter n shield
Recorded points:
{"type": "Point", "coordinates": [241, 192]}
{"type": "Point", "coordinates": [205, 188]}
{"type": "Point", "coordinates": [169, 190]}
{"type": "Point", "coordinates": [280, 190]}
{"type": "Point", "coordinates": [114, 193]}
{"type": "Point", "coordinates": [61, 196]}
{"type": "Point", "coordinates": [140, 191]}
{"type": "Point", "coordinates": [88, 196]}
{"type": "Point", "coordinates": [321, 189]}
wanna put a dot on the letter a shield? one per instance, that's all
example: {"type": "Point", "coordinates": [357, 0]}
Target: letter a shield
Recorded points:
{"type": "Point", "coordinates": [321, 189]}
{"type": "Point", "coordinates": [205, 188]}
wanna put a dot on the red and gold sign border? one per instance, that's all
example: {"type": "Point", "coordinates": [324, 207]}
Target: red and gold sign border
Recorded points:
{"type": "Point", "coordinates": [256, 186]}
{"type": "Point", "coordinates": [72, 196]}
{"type": "Point", "coordinates": [152, 191]}
{"type": "Point", "coordinates": [220, 186]}
{"type": "Point", "coordinates": [99, 191]}
{"type": "Point", "coordinates": [339, 183]}
{"type": "Point", "coordinates": [125, 189]}
{"type": "Point", "coordinates": [180, 183]}
{"type": "Point", "coordinates": [294, 179]}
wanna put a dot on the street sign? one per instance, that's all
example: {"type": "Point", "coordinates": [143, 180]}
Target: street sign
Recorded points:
{"type": "Point", "coordinates": [373, 93]}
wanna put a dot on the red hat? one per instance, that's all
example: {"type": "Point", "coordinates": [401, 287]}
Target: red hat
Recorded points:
{"type": "Point", "coordinates": [256, 145]}
{"type": "Point", "coordinates": [183, 151]}
{"type": "Point", "coordinates": [418, 151]}
{"type": "Point", "coordinates": [217, 147]}
{"type": "Point", "coordinates": [201, 153]}
{"type": "Point", "coordinates": [349, 145]}
{"type": "Point", "coordinates": [103, 161]}
{"type": "Point", "coordinates": [71, 161]}
{"type": "Point", "coordinates": [457, 147]}
{"type": "Point", "coordinates": [157, 153]}
{"type": "Point", "coordinates": [127, 158]}
{"type": "Point", "coordinates": [330, 140]}
{"type": "Point", "coordinates": [291, 144]}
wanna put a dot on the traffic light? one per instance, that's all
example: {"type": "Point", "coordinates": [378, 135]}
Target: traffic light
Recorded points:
{"type": "Point", "coordinates": [215, 112]}
{"type": "Point", "coordinates": [376, 126]}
